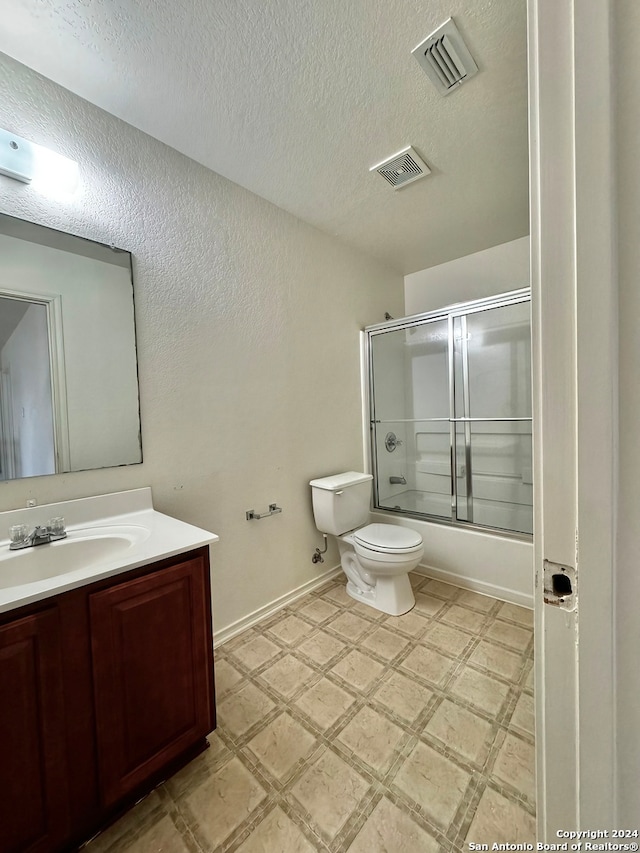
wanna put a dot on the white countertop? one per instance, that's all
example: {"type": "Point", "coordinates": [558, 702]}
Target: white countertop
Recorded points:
{"type": "Point", "coordinates": [145, 535]}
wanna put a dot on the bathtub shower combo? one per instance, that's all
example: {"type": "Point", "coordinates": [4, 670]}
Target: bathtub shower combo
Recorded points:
{"type": "Point", "coordinates": [450, 414]}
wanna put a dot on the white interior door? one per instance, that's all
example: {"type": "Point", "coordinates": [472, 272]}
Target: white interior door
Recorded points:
{"type": "Point", "coordinates": [575, 370]}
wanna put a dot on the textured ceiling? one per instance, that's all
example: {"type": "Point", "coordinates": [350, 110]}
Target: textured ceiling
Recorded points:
{"type": "Point", "coordinates": [296, 99]}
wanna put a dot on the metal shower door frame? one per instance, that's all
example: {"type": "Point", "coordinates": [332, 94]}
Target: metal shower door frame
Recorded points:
{"type": "Point", "coordinates": [459, 311]}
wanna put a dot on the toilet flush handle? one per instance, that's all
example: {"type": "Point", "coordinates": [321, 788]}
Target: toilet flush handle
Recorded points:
{"type": "Point", "coordinates": [339, 493]}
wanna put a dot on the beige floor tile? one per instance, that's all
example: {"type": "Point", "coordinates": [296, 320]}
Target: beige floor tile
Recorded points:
{"type": "Point", "coordinates": [441, 590]}
{"type": "Point", "coordinates": [243, 709]}
{"type": "Point", "coordinates": [462, 617]}
{"type": "Point", "coordinates": [510, 635]}
{"type": "Point", "coordinates": [413, 623]}
{"type": "Point", "coordinates": [221, 804]}
{"type": "Point", "coordinates": [499, 821]}
{"type": "Point", "coordinates": [162, 837]}
{"type": "Point", "coordinates": [403, 696]}
{"type": "Point", "coordinates": [523, 717]}
{"type": "Point", "coordinates": [256, 652]}
{"type": "Point", "coordinates": [447, 638]}
{"type": "Point", "coordinates": [529, 683]}
{"type": "Point", "coordinates": [515, 765]}
{"type": "Point", "coordinates": [325, 703]}
{"type": "Point", "coordinates": [434, 782]}
{"type": "Point", "coordinates": [476, 601]}
{"type": "Point", "coordinates": [417, 580]}
{"type": "Point", "coordinates": [239, 640]}
{"type": "Point", "coordinates": [349, 626]}
{"type": "Point", "coordinates": [337, 594]}
{"type": "Point", "coordinates": [290, 630]}
{"type": "Point", "coordinates": [143, 816]}
{"type": "Point", "coordinates": [427, 605]}
{"type": "Point", "coordinates": [321, 647]}
{"type": "Point", "coordinates": [480, 690]}
{"type": "Point", "coordinates": [522, 615]}
{"type": "Point", "coordinates": [498, 660]}
{"type": "Point", "coordinates": [226, 678]}
{"type": "Point", "coordinates": [281, 745]}
{"type": "Point", "coordinates": [458, 729]}
{"type": "Point", "coordinates": [318, 610]}
{"type": "Point", "coordinates": [428, 664]}
{"type": "Point", "coordinates": [373, 738]}
{"type": "Point", "coordinates": [358, 670]}
{"type": "Point", "coordinates": [371, 614]}
{"type": "Point", "coordinates": [330, 791]}
{"type": "Point", "coordinates": [196, 771]}
{"type": "Point", "coordinates": [385, 643]}
{"type": "Point", "coordinates": [287, 675]}
{"type": "Point", "coordinates": [277, 833]}
{"type": "Point", "coordinates": [390, 830]}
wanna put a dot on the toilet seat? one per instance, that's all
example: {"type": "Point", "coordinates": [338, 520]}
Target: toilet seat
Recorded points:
{"type": "Point", "coordinates": [388, 539]}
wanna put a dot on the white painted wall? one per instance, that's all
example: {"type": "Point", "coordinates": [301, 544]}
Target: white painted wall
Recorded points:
{"type": "Point", "coordinates": [627, 623]}
{"type": "Point", "coordinates": [248, 340]}
{"type": "Point", "coordinates": [26, 358]}
{"type": "Point", "coordinates": [495, 270]}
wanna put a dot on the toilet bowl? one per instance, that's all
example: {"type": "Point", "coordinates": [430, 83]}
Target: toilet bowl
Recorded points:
{"type": "Point", "coordinates": [376, 558]}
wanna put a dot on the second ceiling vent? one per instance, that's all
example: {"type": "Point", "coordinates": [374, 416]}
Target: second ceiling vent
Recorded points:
{"type": "Point", "coordinates": [446, 58]}
{"type": "Point", "coordinates": [402, 168]}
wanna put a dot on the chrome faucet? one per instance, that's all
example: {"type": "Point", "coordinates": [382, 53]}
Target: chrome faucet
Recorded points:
{"type": "Point", "coordinates": [39, 535]}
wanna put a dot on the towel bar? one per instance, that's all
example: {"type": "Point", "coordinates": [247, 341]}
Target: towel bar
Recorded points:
{"type": "Point", "coordinates": [251, 514]}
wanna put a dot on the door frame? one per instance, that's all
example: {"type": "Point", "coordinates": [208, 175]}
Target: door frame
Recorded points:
{"type": "Point", "coordinates": [575, 370]}
{"type": "Point", "coordinates": [57, 370]}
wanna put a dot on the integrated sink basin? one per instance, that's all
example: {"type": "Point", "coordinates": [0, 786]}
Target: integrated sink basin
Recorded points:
{"type": "Point", "coordinates": [81, 549]}
{"type": "Point", "coordinates": [106, 535]}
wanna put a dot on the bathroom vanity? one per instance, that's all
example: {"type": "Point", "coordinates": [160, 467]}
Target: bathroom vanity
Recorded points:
{"type": "Point", "coordinates": [106, 671]}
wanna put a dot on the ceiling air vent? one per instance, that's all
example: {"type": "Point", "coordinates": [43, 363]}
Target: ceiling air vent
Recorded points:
{"type": "Point", "coordinates": [402, 168]}
{"type": "Point", "coordinates": [445, 58]}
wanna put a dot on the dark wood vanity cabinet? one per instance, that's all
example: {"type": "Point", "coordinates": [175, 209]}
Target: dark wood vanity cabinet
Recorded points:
{"type": "Point", "coordinates": [104, 691]}
{"type": "Point", "coordinates": [33, 772]}
{"type": "Point", "coordinates": [152, 673]}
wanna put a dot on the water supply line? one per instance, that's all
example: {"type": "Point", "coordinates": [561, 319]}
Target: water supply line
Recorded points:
{"type": "Point", "coordinates": [317, 556]}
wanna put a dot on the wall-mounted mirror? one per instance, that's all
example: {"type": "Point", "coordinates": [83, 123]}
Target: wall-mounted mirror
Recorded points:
{"type": "Point", "coordinates": [68, 370]}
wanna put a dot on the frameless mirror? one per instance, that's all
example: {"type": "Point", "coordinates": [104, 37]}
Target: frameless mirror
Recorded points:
{"type": "Point", "coordinates": [68, 370]}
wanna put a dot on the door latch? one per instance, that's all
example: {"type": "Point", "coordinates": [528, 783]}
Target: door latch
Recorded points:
{"type": "Point", "coordinates": [560, 585]}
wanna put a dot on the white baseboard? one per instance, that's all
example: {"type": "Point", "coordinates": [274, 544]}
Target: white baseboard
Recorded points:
{"type": "Point", "coordinates": [224, 634]}
{"type": "Point", "coordinates": [500, 592]}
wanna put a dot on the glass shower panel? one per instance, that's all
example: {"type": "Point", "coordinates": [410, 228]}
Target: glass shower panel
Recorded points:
{"type": "Point", "coordinates": [501, 476]}
{"type": "Point", "coordinates": [451, 414]}
{"type": "Point", "coordinates": [416, 479]}
{"type": "Point", "coordinates": [410, 419]}
{"type": "Point", "coordinates": [498, 345]}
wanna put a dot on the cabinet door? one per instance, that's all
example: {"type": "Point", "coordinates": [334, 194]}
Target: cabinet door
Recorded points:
{"type": "Point", "coordinates": [153, 673]}
{"type": "Point", "coordinates": [33, 797]}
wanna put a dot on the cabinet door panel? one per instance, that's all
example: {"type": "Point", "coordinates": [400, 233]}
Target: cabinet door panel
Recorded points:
{"type": "Point", "coordinates": [33, 797]}
{"type": "Point", "coordinates": [152, 663]}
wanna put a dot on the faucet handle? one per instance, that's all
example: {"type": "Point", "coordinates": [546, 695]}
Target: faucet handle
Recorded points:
{"type": "Point", "coordinates": [18, 533]}
{"type": "Point", "coordinates": [55, 526]}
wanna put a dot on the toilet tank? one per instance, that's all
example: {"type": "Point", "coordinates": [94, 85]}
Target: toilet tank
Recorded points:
{"type": "Point", "coordinates": [341, 502]}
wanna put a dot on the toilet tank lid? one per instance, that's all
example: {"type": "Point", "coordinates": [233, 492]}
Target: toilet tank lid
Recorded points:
{"type": "Point", "coordinates": [340, 481]}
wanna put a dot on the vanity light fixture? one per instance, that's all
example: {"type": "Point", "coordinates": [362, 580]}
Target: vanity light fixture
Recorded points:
{"type": "Point", "coordinates": [34, 164]}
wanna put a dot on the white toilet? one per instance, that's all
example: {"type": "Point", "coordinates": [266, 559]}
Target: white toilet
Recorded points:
{"type": "Point", "coordinates": [376, 558]}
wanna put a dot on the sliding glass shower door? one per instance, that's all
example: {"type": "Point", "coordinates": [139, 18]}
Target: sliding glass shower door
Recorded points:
{"type": "Point", "coordinates": [450, 400]}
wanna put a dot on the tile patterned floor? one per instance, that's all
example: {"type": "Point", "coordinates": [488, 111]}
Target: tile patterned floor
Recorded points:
{"type": "Point", "coordinates": [342, 729]}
